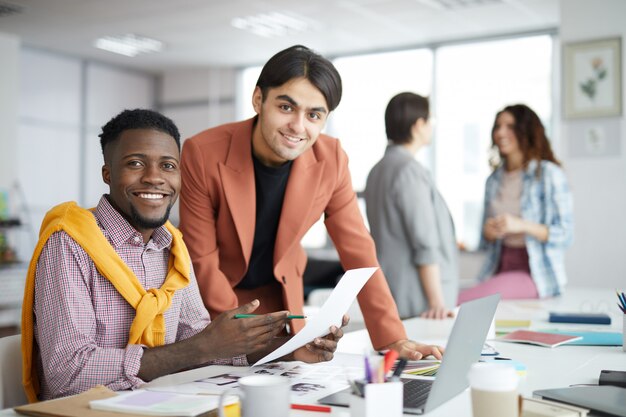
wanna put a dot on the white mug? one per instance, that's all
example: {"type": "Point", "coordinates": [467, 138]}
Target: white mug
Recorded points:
{"type": "Point", "coordinates": [261, 396]}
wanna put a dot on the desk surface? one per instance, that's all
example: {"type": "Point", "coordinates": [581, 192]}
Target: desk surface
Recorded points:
{"type": "Point", "coordinates": [546, 368]}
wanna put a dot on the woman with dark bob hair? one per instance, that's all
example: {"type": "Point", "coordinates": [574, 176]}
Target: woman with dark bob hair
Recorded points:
{"type": "Point", "coordinates": [528, 213]}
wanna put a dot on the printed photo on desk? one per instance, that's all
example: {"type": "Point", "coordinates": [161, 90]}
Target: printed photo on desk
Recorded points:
{"type": "Point", "coordinates": [306, 380]}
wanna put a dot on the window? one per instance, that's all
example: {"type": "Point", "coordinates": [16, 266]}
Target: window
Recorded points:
{"type": "Point", "coordinates": [473, 82]}
{"type": "Point", "coordinates": [369, 82]}
{"type": "Point", "coordinates": [247, 82]}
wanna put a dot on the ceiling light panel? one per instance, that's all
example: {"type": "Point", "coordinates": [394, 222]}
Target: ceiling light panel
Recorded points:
{"type": "Point", "coordinates": [457, 4]}
{"type": "Point", "coordinates": [274, 24]}
{"type": "Point", "coordinates": [128, 45]}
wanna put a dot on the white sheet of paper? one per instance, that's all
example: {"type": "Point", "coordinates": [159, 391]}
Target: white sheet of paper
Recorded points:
{"type": "Point", "coordinates": [330, 314]}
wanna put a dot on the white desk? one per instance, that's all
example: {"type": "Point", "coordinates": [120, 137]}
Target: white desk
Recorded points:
{"type": "Point", "coordinates": [546, 368]}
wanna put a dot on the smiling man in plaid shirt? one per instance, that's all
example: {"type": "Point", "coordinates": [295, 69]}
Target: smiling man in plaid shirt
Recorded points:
{"type": "Point", "coordinates": [111, 297]}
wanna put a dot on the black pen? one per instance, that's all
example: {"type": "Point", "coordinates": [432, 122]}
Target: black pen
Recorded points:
{"type": "Point", "coordinates": [399, 368]}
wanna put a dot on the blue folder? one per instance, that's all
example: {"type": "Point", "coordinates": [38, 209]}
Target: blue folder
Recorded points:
{"type": "Point", "coordinates": [591, 338]}
{"type": "Point", "coordinates": [584, 318]}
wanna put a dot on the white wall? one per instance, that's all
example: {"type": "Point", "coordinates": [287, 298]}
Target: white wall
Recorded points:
{"type": "Point", "coordinates": [63, 102]}
{"type": "Point", "coordinates": [598, 256]}
{"type": "Point", "coordinates": [197, 99]}
{"type": "Point", "coordinates": [108, 90]}
{"type": "Point", "coordinates": [49, 131]}
{"type": "Point", "coordinates": [9, 81]}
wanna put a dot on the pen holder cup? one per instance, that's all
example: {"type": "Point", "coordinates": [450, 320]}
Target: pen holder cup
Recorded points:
{"type": "Point", "coordinates": [624, 332]}
{"type": "Point", "coordinates": [383, 399]}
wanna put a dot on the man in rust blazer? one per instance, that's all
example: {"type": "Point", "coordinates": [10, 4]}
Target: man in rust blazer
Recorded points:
{"type": "Point", "coordinates": [252, 189]}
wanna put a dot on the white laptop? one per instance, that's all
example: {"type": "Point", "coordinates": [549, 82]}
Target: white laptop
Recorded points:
{"type": "Point", "coordinates": [463, 349]}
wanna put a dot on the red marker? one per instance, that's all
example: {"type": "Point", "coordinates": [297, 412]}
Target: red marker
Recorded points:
{"type": "Point", "coordinates": [310, 407]}
{"type": "Point", "coordinates": [390, 359]}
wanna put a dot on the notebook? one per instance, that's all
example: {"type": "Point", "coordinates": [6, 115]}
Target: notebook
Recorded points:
{"type": "Point", "coordinates": [463, 349]}
{"type": "Point", "coordinates": [538, 338]}
{"type": "Point", "coordinates": [152, 403]}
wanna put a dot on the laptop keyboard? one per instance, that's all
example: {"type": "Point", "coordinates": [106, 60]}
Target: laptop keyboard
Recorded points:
{"type": "Point", "coordinates": [416, 392]}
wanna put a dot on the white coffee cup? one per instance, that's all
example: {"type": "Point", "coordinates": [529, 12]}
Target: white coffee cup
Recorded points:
{"type": "Point", "coordinates": [494, 390]}
{"type": "Point", "coordinates": [261, 396]}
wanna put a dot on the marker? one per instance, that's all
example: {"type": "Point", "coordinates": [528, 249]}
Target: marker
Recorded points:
{"type": "Point", "coordinates": [390, 359]}
{"type": "Point", "coordinates": [248, 316]}
{"type": "Point", "coordinates": [399, 368]}
{"type": "Point", "coordinates": [368, 371]}
{"type": "Point", "coordinates": [310, 407]}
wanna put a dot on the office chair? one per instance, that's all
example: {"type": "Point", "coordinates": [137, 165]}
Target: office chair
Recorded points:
{"type": "Point", "coordinates": [11, 389]}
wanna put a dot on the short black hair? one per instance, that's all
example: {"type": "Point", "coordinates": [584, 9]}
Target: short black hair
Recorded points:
{"type": "Point", "coordinates": [137, 119]}
{"type": "Point", "coordinates": [301, 62]}
{"type": "Point", "coordinates": [402, 112]}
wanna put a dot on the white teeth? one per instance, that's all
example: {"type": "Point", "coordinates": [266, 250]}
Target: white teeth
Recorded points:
{"type": "Point", "coordinates": [292, 139]}
{"type": "Point", "coordinates": [151, 196]}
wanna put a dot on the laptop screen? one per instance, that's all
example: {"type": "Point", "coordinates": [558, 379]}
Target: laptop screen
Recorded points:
{"type": "Point", "coordinates": [462, 350]}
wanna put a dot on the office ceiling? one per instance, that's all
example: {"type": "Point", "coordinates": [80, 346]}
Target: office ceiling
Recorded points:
{"type": "Point", "coordinates": [199, 32]}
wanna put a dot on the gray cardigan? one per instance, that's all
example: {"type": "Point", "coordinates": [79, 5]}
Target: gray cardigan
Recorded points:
{"type": "Point", "coordinates": [412, 226]}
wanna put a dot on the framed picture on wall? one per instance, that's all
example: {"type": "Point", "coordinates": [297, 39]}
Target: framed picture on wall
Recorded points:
{"type": "Point", "coordinates": [593, 78]}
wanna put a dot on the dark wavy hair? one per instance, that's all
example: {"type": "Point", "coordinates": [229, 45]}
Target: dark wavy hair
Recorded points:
{"type": "Point", "coordinates": [403, 110]}
{"type": "Point", "coordinates": [137, 119]}
{"type": "Point", "coordinates": [299, 61]}
{"type": "Point", "coordinates": [530, 133]}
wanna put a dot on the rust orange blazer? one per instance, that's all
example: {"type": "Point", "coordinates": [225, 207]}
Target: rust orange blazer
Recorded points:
{"type": "Point", "coordinates": [218, 207]}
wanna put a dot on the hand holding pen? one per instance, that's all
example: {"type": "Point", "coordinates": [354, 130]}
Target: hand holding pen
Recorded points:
{"type": "Point", "coordinates": [248, 336]}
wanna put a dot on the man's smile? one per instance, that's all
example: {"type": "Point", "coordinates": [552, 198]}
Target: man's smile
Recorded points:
{"type": "Point", "coordinates": [291, 138]}
{"type": "Point", "coordinates": [150, 196]}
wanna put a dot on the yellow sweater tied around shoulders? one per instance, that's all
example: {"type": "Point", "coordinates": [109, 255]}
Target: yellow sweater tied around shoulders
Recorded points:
{"type": "Point", "coordinates": [148, 326]}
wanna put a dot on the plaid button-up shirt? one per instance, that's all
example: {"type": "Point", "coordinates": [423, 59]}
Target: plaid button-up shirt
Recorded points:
{"type": "Point", "coordinates": [82, 322]}
{"type": "Point", "coordinates": [546, 200]}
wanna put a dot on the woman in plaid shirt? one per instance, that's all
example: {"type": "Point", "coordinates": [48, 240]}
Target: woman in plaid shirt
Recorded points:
{"type": "Point", "coordinates": [528, 213]}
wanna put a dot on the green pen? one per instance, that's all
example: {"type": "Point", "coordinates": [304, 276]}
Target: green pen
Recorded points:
{"type": "Point", "coordinates": [247, 316]}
